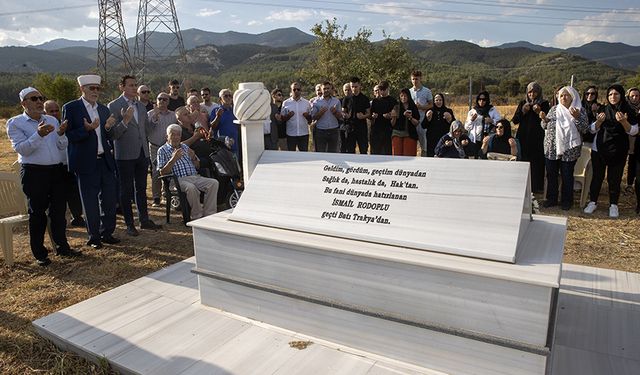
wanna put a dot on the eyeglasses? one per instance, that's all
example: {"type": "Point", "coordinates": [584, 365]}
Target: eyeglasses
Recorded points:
{"type": "Point", "coordinates": [297, 89]}
{"type": "Point", "coordinates": [36, 98]}
{"type": "Point", "coordinates": [94, 88]}
{"type": "Point", "coordinates": [163, 99]}
{"type": "Point", "coordinates": [145, 92]}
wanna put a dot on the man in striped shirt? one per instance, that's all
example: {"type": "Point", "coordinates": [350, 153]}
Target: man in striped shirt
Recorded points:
{"type": "Point", "coordinates": [178, 159]}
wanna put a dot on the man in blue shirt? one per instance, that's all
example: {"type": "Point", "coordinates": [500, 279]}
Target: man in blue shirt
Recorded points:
{"type": "Point", "coordinates": [41, 144]}
{"type": "Point", "coordinates": [327, 111]}
{"type": "Point", "coordinates": [178, 159]}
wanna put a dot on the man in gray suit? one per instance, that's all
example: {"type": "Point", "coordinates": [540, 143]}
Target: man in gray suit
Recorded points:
{"type": "Point", "coordinates": [131, 153]}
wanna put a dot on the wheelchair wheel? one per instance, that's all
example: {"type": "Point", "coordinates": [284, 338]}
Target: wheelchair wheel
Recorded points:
{"type": "Point", "coordinates": [175, 203]}
{"type": "Point", "coordinates": [233, 198]}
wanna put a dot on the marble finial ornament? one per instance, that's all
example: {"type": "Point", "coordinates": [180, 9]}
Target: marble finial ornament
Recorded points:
{"type": "Point", "coordinates": [251, 102]}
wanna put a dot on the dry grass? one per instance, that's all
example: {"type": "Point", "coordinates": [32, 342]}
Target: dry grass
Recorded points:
{"type": "Point", "coordinates": [28, 292]}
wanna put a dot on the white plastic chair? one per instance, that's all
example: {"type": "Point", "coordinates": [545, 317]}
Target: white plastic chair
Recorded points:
{"type": "Point", "coordinates": [12, 202]}
{"type": "Point", "coordinates": [583, 174]}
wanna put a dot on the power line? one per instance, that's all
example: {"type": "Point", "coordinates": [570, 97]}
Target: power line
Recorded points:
{"type": "Point", "coordinates": [636, 25]}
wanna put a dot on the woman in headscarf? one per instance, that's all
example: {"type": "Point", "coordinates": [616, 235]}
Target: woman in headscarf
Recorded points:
{"type": "Point", "coordinates": [591, 105]}
{"type": "Point", "coordinates": [501, 142]}
{"type": "Point", "coordinates": [437, 121]}
{"type": "Point", "coordinates": [455, 144]}
{"type": "Point", "coordinates": [404, 136]}
{"type": "Point", "coordinates": [614, 123]}
{"type": "Point", "coordinates": [563, 125]}
{"type": "Point", "coordinates": [481, 119]}
{"type": "Point", "coordinates": [530, 133]}
{"type": "Point", "coordinates": [633, 98]}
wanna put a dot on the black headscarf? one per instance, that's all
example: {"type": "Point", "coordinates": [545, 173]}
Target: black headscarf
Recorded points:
{"type": "Point", "coordinates": [613, 141]}
{"type": "Point", "coordinates": [484, 110]}
{"type": "Point", "coordinates": [501, 144]}
{"type": "Point", "coordinates": [438, 112]}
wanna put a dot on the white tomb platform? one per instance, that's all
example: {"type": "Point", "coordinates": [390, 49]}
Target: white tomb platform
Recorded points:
{"type": "Point", "coordinates": [456, 276]}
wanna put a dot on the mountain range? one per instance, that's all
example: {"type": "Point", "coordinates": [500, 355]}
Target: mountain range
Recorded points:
{"type": "Point", "coordinates": [68, 56]}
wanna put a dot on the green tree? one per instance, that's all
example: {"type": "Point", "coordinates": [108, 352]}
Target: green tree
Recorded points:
{"type": "Point", "coordinates": [59, 88]}
{"type": "Point", "coordinates": [337, 58]}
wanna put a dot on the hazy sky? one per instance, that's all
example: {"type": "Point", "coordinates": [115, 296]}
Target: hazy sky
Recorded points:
{"type": "Point", "coordinates": [485, 22]}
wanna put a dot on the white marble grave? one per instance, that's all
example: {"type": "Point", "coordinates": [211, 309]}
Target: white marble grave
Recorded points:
{"type": "Point", "coordinates": [464, 207]}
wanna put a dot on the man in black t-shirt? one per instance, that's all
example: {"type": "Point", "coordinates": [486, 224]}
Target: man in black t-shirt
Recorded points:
{"type": "Point", "coordinates": [175, 100]}
{"type": "Point", "coordinates": [356, 108]}
{"type": "Point", "coordinates": [382, 114]}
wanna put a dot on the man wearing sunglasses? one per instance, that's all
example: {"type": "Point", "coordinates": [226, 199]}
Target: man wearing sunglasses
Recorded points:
{"type": "Point", "coordinates": [91, 158]}
{"type": "Point", "coordinates": [40, 142]}
{"type": "Point", "coordinates": [144, 94]}
{"type": "Point", "coordinates": [295, 113]}
{"type": "Point", "coordinates": [159, 119]}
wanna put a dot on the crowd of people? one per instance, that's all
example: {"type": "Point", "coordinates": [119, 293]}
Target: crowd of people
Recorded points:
{"type": "Point", "coordinates": [95, 157]}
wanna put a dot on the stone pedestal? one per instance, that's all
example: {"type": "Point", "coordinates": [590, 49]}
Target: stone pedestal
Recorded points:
{"type": "Point", "coordinates": [437, 263]}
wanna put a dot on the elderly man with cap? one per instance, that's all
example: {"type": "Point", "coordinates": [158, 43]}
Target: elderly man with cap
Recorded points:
{"type": "Point", "coordinates": [160, 118]}
{"type": "Point", "coordinates": [132, 153]}
{"type": "Point", "coordinates": [40, 142]}
{"type": "Point", "coordinates": [52, 109]}
{"type": "Point", "coordinates": [91, 158]}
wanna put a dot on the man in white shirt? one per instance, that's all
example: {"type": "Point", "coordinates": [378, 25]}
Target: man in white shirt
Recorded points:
{"type": "Point", "coordinates": [423, 98]}
{"type": "Point", "coordinates": [295, 112]}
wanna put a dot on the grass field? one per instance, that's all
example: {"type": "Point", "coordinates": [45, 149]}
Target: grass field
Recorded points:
{"type": "Point", "coordinates": [28, 292]}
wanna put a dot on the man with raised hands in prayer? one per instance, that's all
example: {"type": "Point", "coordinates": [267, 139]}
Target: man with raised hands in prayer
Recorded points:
{"type": "Point", "coordinates": [91, 158]}
{"type": "Point", "coordinates": [41, 143]}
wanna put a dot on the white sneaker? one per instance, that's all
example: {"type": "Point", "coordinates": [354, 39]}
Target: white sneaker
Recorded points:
{"type": "Point", "coordinates": [590, 208]}
{"type": "Point", "coordinates": [613, 211]}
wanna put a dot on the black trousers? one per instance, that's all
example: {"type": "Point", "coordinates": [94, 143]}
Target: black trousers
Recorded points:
{"type": "Point", "coordinates": [380, 141]}
{"type": "Point", "coordinates": [133, 183]}
{"type": "Point", "coordinates": [44, 186]}
{"type": "Point", "coordinates": [565, 168]}
{"type": "Point", "coordinates": [302, 142]}
{"type": "Point", "coordinates": [614, 169]}
{"type": "Point", "coordinates": [73, 194]}
{"type": "Point", "coordinates": [631, 169]}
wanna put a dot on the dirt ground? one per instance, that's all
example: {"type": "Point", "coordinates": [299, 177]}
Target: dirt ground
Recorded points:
{"type": "Point", "coordinates": [28, 292]}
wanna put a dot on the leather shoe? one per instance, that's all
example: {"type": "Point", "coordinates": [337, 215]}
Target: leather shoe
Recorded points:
{"type": "Point", "coordinates": [132, 231]}
{"type": "Point", "coordinates": [68, 253]}
{"type": "Point", "coordinates": [150, 225]}
{"type": "Point", "coordinates": [96, 244]}
{"type": "Point", "coordinates": [78, 222]}
{"type": "Point", "coordinates": [43, 262]}
{"type": "Point", "coordinates": [110, 240]}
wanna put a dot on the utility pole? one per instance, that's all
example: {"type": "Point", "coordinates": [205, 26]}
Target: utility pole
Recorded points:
{"type": "Point", "coordinates": [113, 49]}
{"type": "Point", "coordinates": [157, 15]}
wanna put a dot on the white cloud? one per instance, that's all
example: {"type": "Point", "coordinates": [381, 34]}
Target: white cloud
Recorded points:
{"type": "Point", "coordinates": [206, 12]}
{"type": "Point", "coordinates": [290, 15]}
{"type": "Point", "coordinates": [598, 28]}
{"type": "Point", "coordinates": [484, 42]}
{"type": "Point", "coordinates": [254, 23]}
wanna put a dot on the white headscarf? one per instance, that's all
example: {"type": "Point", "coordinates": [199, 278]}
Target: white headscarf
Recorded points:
{"type": "Point", "coordinates": [567, 135]}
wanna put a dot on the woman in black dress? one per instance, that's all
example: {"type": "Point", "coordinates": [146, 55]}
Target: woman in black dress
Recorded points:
{"type": "Point", "coordinates": [530, 133]}
{"type": "Point", "coordinates": [437, 121]}
{"type": "Point", "coordinates": [613, 125]}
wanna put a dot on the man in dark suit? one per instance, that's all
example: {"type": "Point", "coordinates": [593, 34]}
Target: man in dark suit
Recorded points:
{"type": "Point", "coordinates": [90, 157]}
{"type": "Point", "coordinates": [132, 153]}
